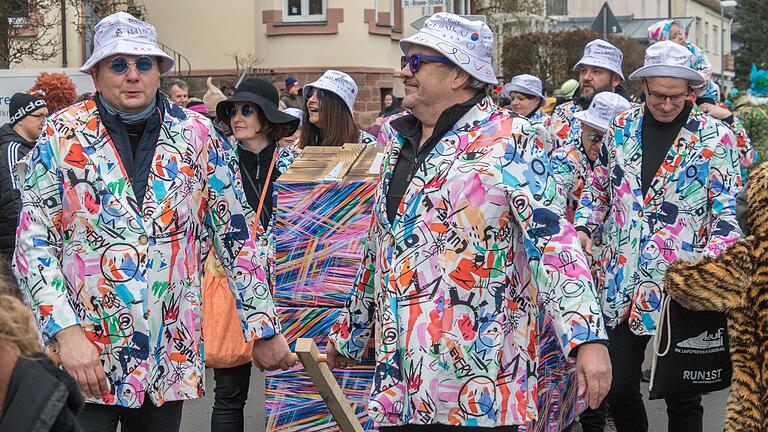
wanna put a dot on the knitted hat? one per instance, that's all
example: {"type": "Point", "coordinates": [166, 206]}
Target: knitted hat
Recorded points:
{"type": "Point", "coordinates": [22, 105]}
{"type": "Point", "coordinates": [290, 82]}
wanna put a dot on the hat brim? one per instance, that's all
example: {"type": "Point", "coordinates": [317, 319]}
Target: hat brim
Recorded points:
{"type": "Point", "coordinates": [590, 61]}
{"type": "Point", "coordinates": [129, 48]}
{"type": "Point", "coordinates": [272, 114]}
{"type": "Point", "coordinates": [669, 71]}
{"type": "Point", "coordinates": [585, 118]}
{"type": "Point", "coordinates": [470, 64]}
{"type": "Point", "coordinates": [322, 85]}
{"type": "Point", "coordinates": [509, 88]}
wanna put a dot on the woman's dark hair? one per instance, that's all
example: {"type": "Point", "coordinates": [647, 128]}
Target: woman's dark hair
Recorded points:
{"type": "Point", "coordinates": [273, 131]}
{"type": "Point", "coordinates": [336, 125]}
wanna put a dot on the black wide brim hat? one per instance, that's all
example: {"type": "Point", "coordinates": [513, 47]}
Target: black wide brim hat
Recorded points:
{"type": "Point", "coordinates": [263, 94]}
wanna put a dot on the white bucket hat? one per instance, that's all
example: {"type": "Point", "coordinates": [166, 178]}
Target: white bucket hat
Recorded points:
{"type": "Point", "coordinates": [668, 59]}
{"type": "Point", "coordinates": [121, 33]}
{"type": "Point", "coordinates": [602, 110]}
{"type": "Point", "coordinates": [338, 83]}
{"type": "Point", "coordinates": [468, 44]}
{"type": "Point", "coordinates": [526, 84]}
{"type": "Point", "coordinates": [601, 53]}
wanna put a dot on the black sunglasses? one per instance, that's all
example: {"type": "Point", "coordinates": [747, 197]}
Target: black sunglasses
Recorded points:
{"type": "Point", "coordinates": [320, 93]}
{"type": "Point", "coordinates": [119, 65]}
{"type": "Point", "coordinates": [245, 110]}
{"type": "Point", "coordinates": [415, 61]}
{"type": "Point", "coordinates": [595, 137]}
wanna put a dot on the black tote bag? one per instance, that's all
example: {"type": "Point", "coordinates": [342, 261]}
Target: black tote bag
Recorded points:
{"type": "Point", "coordinates": [691, 354]}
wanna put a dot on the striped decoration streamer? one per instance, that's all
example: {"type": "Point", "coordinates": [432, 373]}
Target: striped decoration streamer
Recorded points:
{"type": "Point", "coordinates": [319, 230]}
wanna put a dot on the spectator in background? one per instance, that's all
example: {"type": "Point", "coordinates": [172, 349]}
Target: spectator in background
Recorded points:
{"type": "Point", "coordinates": [391, 106]}
{"type": "Point", "coordinates": [17, 138]}
{"type": "Point", "coordinates": [293, 140]}
{"type": "Point", "coordinates": [56, 89]}
{"type": "Point", "coordinates": [197, 105]}
{"type": "Point", "coordinates": [35, 394]}
{"type": "Point", "coordinates": [177, 91]}
{"type": "Point", "coordinates": [328, 112]}
{"type": "Point", "coordinates": [291, 97]}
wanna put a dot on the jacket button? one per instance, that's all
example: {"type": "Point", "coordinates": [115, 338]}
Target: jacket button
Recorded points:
{"type": "Point", "coordinates": [143, 239]}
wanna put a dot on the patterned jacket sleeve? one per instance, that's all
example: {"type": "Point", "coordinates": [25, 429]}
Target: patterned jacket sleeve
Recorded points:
{"type": "Point", "coordinates": [725, 184]}
{"type": "Point", "coordinates": [352, 330]}
{"type": "Point", "coordinates": [566, 176]}
{"type": "Point", "coordinates": [595, 200]}
{"type": "Point", "coordinates": [559, 268]}
{"type": "Point", "coordinates": [746, 153]}
{"type": "Point", "coordinates": [37, 258]}
{"type": "Point", "coordinates": [228, 221]}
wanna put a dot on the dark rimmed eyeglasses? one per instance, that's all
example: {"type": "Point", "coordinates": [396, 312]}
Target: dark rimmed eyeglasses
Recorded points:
{"type": "Point", "coordinates": [119, 65]}
{"type": "Point", "coordinates": [415, 61]}
{"type": "Point", "coordinates": [595, 137]}
{"type": "Point", "coordinates": [658, 98]}
{"type": "Point", "coordinates": [245, 111]}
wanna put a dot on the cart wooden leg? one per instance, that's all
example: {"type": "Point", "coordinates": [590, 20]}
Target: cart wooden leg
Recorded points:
{"type": "Point", "coordinates": [315, 366]}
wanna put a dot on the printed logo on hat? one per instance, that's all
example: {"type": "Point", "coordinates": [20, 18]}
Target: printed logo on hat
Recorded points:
{"type": "Point", "coordinates": [601, 53]}
{"type": "Point", "coordinates": [603, 109]}
{"type": "Point", "coordinates": [338, 83]}
{"type": "Point", "coordinates": [29, 108]}
{"type": "Point", "coordinates": [468, 44]}
{"type": "Point", "coordinates": [668, 59]}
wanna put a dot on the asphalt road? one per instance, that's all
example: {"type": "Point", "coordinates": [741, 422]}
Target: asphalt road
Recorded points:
{"type": "Point", "coordinates": [197, 413]}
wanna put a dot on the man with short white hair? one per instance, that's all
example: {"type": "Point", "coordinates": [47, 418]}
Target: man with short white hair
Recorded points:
{"type": "Point", "coordinates": [466, 251]}
{"type": "Point", "coordinates": [599, 71]}
{"type": "Point", "coordinates": [664, 186]}
{"type": "Point", "coordinates": [124, 196]}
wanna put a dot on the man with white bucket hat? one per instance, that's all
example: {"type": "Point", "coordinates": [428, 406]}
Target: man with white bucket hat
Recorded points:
{"type": "Point", "coordinates": [465, 225]}
{"type": "Point", "coordinates": [599, 71]}
{"type": "Point", "coordinates": [664, 186]}
{"type": "Point", "coordinates": [124, 196]}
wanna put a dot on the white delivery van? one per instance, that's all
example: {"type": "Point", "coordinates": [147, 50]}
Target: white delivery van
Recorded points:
{"type": "Point", "coordinates": [21, 80]}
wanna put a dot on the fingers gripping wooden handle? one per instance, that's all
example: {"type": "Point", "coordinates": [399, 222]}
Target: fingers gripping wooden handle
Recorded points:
{"type": "Point", "coordinates": [316, 367]}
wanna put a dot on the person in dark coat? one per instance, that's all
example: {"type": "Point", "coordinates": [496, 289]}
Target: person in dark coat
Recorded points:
{"type": "Point", "coordinates": [17, 138]}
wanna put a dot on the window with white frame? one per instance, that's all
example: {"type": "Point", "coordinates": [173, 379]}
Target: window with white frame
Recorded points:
{"type": "Point", "coordinates": [304, 10]}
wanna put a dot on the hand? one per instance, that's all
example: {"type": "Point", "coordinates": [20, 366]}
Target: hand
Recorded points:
{"type": "Point", "coordinates": [586, 243]}
{"type": "Point", "coordinates": [335, 360]}
{"type": "Point", "coordinates": [715, 111]}
{"type": "Point", "coordinates": [80, 358]}
{"type": "Point", "coordinates": [273, 354]}
{"type": "Point", "coordinates": [593, 372]}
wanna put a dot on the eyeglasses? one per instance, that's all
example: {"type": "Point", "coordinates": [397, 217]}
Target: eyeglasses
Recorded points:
{"type": "Point", "coordinates": [245, 111]}
{"type": "Point", "coordinates": [658, 98]}
{"type": "Point", "coordinates": [595, 137]}
{"type": "Point", "coordinates": [415, 61]}
{"type": "Point", "coordinates": [119, 65]}
{"type": "Point", "coordinates": [320, 93]}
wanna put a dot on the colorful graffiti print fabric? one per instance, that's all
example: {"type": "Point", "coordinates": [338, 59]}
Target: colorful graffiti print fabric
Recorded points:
{"type": "Point", "coordinates": [688, 212]}
{"type": "Point", "coordinates": [564, 125]}
{"type": "Point", "coordinates": [86, 255]}
{"type": "Point", "coordinates": [454, 288]}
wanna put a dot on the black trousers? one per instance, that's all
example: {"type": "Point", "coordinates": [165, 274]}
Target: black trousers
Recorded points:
{"type": "Point", "coordinates": [627, 352]}
{"type": "Point", "coordinates": [229, 397]}
{"type": "Point", "coordinates": [445, 428]}
{"type": "Point", "coordinates": [147, 418]}
{"type": "Point", "coordinates": [594, 420]}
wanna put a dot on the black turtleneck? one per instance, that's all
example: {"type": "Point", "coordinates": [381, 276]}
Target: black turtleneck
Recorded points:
{"type": "Point", "coordinates": [412, 156]}
{"type": "Point", "coordinates": [657, 138]}
{"type": "Point", "coordinates": [254, 168]}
